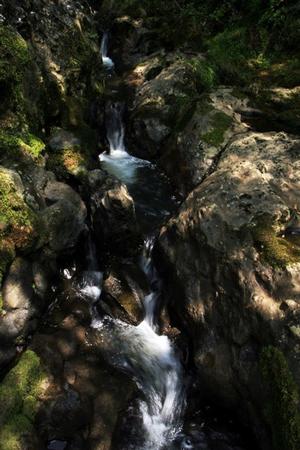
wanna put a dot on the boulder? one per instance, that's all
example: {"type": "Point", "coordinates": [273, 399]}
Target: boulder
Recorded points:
{"type": "Point", "coordinates": [64, 218]}
{"type": "Point", "coordinates": [113, 215]}
{"type": "Point", "coordinates": [233, 269]}
{"type": "Point", "coordinates": [124, 288]}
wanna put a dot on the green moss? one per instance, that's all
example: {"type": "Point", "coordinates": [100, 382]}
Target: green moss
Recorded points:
{"type": "Point", "coordinates": [68, 161]}
{"type": "Point", "coordinates": [220, 123]}
{"type": "Point", "coordinates": [16, 145]}
{"type": "Point", "coordinates": [282, 409]}
{"type": "Point", "coordinates": [19, 396]}
{"type": "Point", "coordinates": [275, 250]}
{"type": "Point", "coordinates": [17, 221]}
{"type": "Point", "coordinates": [14, 54]}
{"type": "Point", "coordinates": [205, 73]}
{"type": "Point", "coordinates": [14, 60]}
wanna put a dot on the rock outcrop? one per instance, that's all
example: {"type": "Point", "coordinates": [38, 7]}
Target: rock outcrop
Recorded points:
{"type": "Point", "coordinates": [232, 257]}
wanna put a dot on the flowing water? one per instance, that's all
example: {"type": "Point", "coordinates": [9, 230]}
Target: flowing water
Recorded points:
{"type": "Point", "coordinates": [148, 357]}
{"type": "Point", "coordinates": [107, 62]}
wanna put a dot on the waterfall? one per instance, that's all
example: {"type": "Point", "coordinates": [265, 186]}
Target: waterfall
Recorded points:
{"type": "Point", "coordinates": [115, 130]}
{"type": "Point", "coordinates": [148, 357]}
{"type": "Point", "coordinates": [91, 279]}
{"type": "Point", "coordinates": [107, 62]}
{"type": "Point", "coordinates": [152, 362]}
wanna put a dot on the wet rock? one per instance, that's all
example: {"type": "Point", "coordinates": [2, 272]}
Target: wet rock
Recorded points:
{"type": "Point", "coordinates": [113, 215]}
{"type": "Point", "coordinates": [124, 288]}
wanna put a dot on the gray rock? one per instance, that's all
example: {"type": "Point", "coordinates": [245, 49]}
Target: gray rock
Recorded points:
{"type": "Point", "coordinates": [64, 220]}
{"type": "Point", "coordinates": [17, 289]}
{"type": "Point", "coordinates": [113, 215]}
{"type": "Point", "coordinates": [228, 268]}
{"type": "Point", "coordinates": [61, 140]}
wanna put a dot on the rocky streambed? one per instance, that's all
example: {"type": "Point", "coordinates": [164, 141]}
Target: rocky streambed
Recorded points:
{"type": "Point", "coordinates": [149, 296]}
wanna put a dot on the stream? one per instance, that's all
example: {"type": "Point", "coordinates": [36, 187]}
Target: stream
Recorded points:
{"type": "Point", "coordinates": [163, 415]}
{"type": "Point", "coordinates": [139, 350]}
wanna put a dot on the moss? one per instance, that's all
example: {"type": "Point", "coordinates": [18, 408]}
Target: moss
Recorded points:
{"type": "Point", "coordinates": [14, 60]}
{"type": "Point", "coordinates": [69, 161]}
{"type": "Point", "coordinates": [19, 394]}
{"type": "Point", "coordinates": [20, 145]}
{"type": "Point", "coordinates": [205, 74]}
{"type": "Point", "coordinates": [282, 409]}
{"type": "Point", "coordinates": [274, 249]}
{"type": "Point", "coordinates": [220, 123]}
{"type": "Point", "coordinates": [17, 221]}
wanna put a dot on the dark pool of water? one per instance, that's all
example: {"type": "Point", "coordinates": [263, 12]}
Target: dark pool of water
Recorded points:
{"type": "Point", "coordinates": [151, 191]}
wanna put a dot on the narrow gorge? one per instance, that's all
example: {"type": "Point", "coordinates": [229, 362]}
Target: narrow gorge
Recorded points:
{"type": "Point", "coordinates": [149, 225]}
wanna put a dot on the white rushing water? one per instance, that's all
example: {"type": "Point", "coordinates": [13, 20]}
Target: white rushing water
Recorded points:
{"type": "Point", "coordinates": [153, 364]}
{"type": "Point", "coordinates": [107, 62]}
{"type": "Point", "coordinates": [140, 350]}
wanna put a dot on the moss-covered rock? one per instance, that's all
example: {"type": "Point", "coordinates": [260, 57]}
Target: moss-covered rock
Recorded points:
{"type": "Point", "coordinates": [220, 123]}
{"type": "Point", "coordinates": [17, 220]}
{"type": "Point", "coordinates": [282, 409]}
{"type": "Point", "coordinates": [20, 146]}
{"type": "Point", "coordinates": [19, 396]}
{"type": "Point", "coordinates": [14, 60]}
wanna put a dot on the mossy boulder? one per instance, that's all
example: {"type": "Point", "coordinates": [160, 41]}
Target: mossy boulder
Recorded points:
{"type": "Point", "coordinates": [66, 156]}
{"type": "Point", "coordinates": [18, 222]}
{"type": "Point", "coordinates": [209, 122]}
{"type": "Point", "coordinates": [20, 392]}
{"type": "Point", "coordinates": [21, 147]}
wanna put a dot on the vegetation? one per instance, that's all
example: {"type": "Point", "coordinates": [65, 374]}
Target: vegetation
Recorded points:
{"type": "Point", "coordinates": [19, 395]}
{"type": "Point", "coordinates": [220, 123]}
{"type": "Point", "coordinates": [17, 220]}
{"type": "Point", "coordinates": [276, 250]}
{"type": "Point", "coordinates": [282, 409]}
{"type": "Point", "coordinates": [20, 145]}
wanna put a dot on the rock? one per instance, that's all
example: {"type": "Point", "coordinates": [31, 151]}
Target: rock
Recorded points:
{"type": "Point", "coordinates": [229, 270]}
{"type": "Point", "coordinates": [19, 307]}
{"type": "Point", "coordinates": [159, 104]}
{"type": "Point", "coordinates": [192, 150]}
{"type": "Point", "coordinates": [64, 220]}
{"type": "Point", "coordinates": [17, 289]}
{"type": "Point", "coordinates": [62, 140]}
{"type": "Point", "coordinates": [113, 215]}
{"type": "Point", "coordinates": [124, 289]}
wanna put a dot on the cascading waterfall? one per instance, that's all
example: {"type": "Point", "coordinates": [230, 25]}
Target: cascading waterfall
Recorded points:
{"type": "Point", "coordinates": [115, 131]}
{"type": "Point", "coordinates": [107, 62]}
{"type": "Point", "coordinates": [148, 357]}
{"type": "Point", "coordinates": [152, 362]}
{"type": "Point", "coordinates": [91, 279]}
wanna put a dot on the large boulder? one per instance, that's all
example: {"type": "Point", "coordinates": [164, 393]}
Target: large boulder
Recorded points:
{"type": "Point", "coordinates": [64, 218]}
{"type": "Point", "coordinates": [113, 215]}
{"type": "Point", "coordinates": [161, 102]}
{"type": "Point", "coordinates": [231, 258]}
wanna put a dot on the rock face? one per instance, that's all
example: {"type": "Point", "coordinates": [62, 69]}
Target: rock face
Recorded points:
{"type": "Point", "coordinates": [173, 121]}
{"type": "Point", "coordinates": [113, 215]}
{"type": "Point", "coordinates": [232, 265]}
